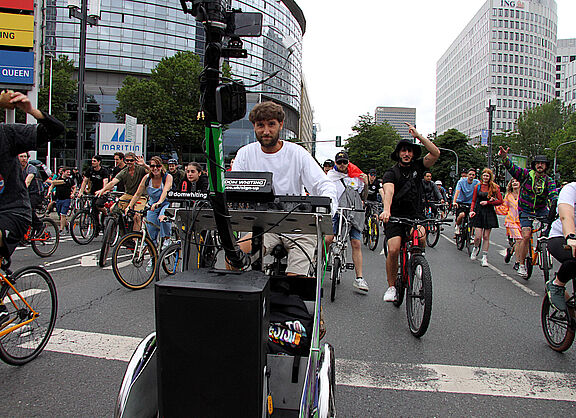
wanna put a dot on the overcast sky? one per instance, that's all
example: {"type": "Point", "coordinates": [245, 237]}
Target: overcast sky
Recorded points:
{"type": "Point", "coordinates": [358, 55]}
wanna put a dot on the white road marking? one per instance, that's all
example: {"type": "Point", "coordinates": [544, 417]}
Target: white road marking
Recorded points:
{"type": "Point", "coordinates": [529, 384]}
{"type": "Point", "coordinates": [504, 275]}
{"type": "Point", "coordinates": [70, 258]}
{"type": "Point", "coordinates": [26, 294]}
{"type": "Point", "coordinates": [93, 344]}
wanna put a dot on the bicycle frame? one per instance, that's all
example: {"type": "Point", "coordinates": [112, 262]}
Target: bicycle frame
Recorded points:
{"type": "Point", "coordinates": [5, 282]}
{"type": "Point", "coordinates": [409, 246]}
{"type": "Point", "coordinates": [341, 241]}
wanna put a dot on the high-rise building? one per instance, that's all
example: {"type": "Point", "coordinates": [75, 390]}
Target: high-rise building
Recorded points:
{"type": "Point", "coordinates": [507, 52]}
{"type": "Point", "coordinates": [565, 54]}
{"type": "Point", "coordinates": [132, 36]}
{"type": "Point", "coordinates": [396, 116]}
{"type": "Point", "coordinates": [569, 96]}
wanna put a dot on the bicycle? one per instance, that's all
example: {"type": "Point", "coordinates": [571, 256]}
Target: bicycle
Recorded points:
{"type": "Point", "coordinates": [47, 242]}
{"type": "Point", "coordinates": [559, 326]}
{"type": "Point", "coordinates": [83, 223]}
{"type": "Point", "coordinates": [371, 232]}
{"type": "Point", "coordinates": [116, 224]}
{"type": "Point", "coordinates": [433, 227]}
{"type": "Point", "coordinates": [414, 279]}
{"type": "Point", "coordinates": [29, 296]}
{"type": "Point", "coordinates": [338, 249]}
{"type": "Point", "coordinates": [538, 254]}
{"type": "Point", "coordinates": [466, 235]}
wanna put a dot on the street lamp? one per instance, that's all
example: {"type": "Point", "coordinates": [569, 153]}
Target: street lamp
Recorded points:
{"type": "Point", "coordinates": [556, 154]}
{"type": "Point", "coordinates": [492, 97]}
{"type": "Point", "coordinates": [451, 150]}
{"type": "Point", "coordinates": [80, 12]}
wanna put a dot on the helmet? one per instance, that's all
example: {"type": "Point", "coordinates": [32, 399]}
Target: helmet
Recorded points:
{"type": "Point", "coordinates": [405, 143]}
{"type": "Point", "coordinates": [328, 163]}
{"type": "Point", "coordinates": [438, 183]}
{"type": "Point", "coordinates": [172, 161]}
{"type": "Point", "coordinates": [540, 159]}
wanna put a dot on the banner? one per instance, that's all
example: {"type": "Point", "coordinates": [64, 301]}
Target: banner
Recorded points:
{"type": "Point", "coordinates": [112, 138]}
{"type": "Point", "coordinates": [16, 30]}
{"type": "Point", "coordinates": [484, 137]}
{"type": "Point", "coordinates": [16, 67]}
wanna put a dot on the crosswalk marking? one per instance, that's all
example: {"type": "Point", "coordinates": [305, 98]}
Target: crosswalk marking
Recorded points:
{"type": "Point", "coordinates": [517, 383]}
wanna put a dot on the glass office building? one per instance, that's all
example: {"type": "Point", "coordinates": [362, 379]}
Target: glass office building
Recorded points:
{"type": "Point", "coordinates": [131, 38]}
{"type": "Point", "coordinates": [507, 50]}
{"type": "Point", "coordinates": [396, 116]}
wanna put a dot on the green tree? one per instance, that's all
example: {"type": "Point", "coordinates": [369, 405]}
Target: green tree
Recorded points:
{"type": "Point", "coordinates": [64, 87]}
{"type": "Point", "coordinates": [372, 145]}
{"type": "Point", "coordinates": [168, 102]}
{"type": "Point", "coordinates": [566, 154]}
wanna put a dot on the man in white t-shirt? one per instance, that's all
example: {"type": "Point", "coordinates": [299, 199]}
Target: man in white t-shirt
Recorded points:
{"type": "Point", "coordinates": [293, 169]}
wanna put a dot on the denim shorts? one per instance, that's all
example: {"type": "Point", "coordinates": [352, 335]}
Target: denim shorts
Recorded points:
{"type": "Point", "coordinates": [525, 220]}
{"type": "Point", "coordinates": [354, 233]}
{"type": "Point", "coordinates": [63, 206]}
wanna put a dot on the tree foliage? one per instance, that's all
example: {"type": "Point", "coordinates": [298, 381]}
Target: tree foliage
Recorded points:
{"type": "Point", "coordinates": [566, 153]}
{"type": "Point", "coordinates": [64, 87]}
{"type": "Point", "coordinates": [168, 102]}
{"type": "Point", "coordinates": [372, 145]}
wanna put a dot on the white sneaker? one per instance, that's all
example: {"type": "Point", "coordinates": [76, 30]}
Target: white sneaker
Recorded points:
{"type": "Point", "coordinates": [522, 271]}
{"type": "Point", "coordinates": [360, 284]}
{"type": "Point", "coordinates": [166, 243]}
{"type": "Point", "coordinates": [484, 261]}
{"type": "Point", "coordinates": [474, 254]}
{"type": "Point", "coordinates": [390, 295]}
{"type": "Point", "coordinates": [456, 230]}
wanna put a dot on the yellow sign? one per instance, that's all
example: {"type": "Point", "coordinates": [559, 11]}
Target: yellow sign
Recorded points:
{"type": "Point", "coordinates": [16, 30]}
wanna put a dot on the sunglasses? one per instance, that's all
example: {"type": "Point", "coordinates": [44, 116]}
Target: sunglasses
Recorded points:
{"type": "Point", "coordinates": [155, 166]}
{"type": "Point", "coordinates": [342, 162]}
{"type": "Point", "coordinates": [129, 160]}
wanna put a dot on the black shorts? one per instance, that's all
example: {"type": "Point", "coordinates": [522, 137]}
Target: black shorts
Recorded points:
{"type": "Point", "coordinates": [462, 209]}
{"type": "Point", "coordinates": [394, 229]}
{"type": "Point", "coordinates": [13, 228]}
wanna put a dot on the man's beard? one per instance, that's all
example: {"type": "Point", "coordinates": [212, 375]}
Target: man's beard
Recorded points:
{"type": "Point", "coordinates": [269, 142]}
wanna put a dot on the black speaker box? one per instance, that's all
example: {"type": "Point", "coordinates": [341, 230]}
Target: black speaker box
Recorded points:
{"type": "Point", "coordinates": [212, 330]}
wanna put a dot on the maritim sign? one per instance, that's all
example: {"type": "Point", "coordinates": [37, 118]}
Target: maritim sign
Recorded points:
{"type": "Point", "coordinates": [112, 138]}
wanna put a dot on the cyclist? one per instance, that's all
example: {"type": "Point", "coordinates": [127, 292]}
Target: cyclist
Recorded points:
{"type": "Point", "coordinates": [483, 215]}
{"type": "Point", "coordinates": [563, 232]}
{"type": "Point", "coordinates": [403, 196]}
{"type": "Point", "coordinates": [131, 177]}
{"type": "Point", "coordinates": [536, 190]}
{"type": "Point", "coordinates": [328, 165]}
{"type": "Point", "coordinates": [442, 190]}
{"type": "Point", "coordinates": [177, 174]}
{"type": "Point", "coordinates": [119, 165]}
{"type": "Point", "coordinates": [374, 185]}
{"type": "Point", "coordinates": [98, 178]}
{"type": "Point", "coordinates": [64, 190]}
{"type": "Point", "coordinates": [15, 209]}
{"type": "Point", "coordinates": [431, 193]}
{"type": "Point", "coordinates": [35, 190]}
{"type": "Point", "coordinates": [463, 194]}
{"type": "Point", "coordinates": [350, 182]}
{"type": "Point", "coordinates": [293, 169]}
{"type": "Point", "coordinates": [512, 221]}
{"type": "Point", "coordinates": [195, 181]}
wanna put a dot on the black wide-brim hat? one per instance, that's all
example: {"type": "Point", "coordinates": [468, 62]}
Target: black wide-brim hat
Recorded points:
{"type": "Point", "coordinates": [405, 143]}
{"type": "Point", "coordinates": [540, 159]}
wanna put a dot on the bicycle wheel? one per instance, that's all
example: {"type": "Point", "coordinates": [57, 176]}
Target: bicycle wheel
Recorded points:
{"type": "Point", "coordinates": [432, 234]}
{"type": "Point", "coordinates": [462, 237]}
{"type": "Point", "coordinates": [170, 258]}
{"type": "Point", "coordinates": [557, 329]}
{"type": "Point", "coordinates": [373, 232]}
{"type": "Point", "coordinates": [83, 227]}
{"type": "Point", "coordinates": [400, 290]}
{"type": "Point", "coordinates": [110, 237]}
{"type": "Point", "coordinates": [47, 244]}
{"type": "Point", "coordinates": [134, 262]}
{"type": "Point", "coordinates": [419, 296]}
{"type": "Point", "coordinates": [529, 267]}
{"type": "Point", "coordinates": [336, 272]}
{"type": "Point", "coordinates": [25, 343]}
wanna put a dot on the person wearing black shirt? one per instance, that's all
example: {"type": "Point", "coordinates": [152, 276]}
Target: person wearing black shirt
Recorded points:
{"type": "Point", "coordinates": [403, 196]}
{"type": "Point", "coordinates": [64, 187]}
{"type": "Point", "coordinates": [374, 187]}
{"type": "Point", "coordinates": [119, 165]}
{"type": "Point", "coordinates": [195, 181]}
{"type": "Point", "coordinates": [431, 192]}
{"type": "Point", "coordinates": [15, 209]}
{"type": "Point", "coordinates": [98, 178]}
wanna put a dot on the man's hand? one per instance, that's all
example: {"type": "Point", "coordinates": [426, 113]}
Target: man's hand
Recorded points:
{"type": "Point", "coordinates": [412, 130]}
{"type": "Point", "coordinates": [364, 178]}
{"type": "Point", "coordinates": [128, 208]}
{"type": "Point", "coordinates": [140, 160]}
{"type": "Point", "coordinates": [99, 192]}
{"type": "Point", "coordinates": [503, 152]}
{"type": "Point", "coordinates": [572, 244]}
{"type": "Point", "coordinates": [384, 216]}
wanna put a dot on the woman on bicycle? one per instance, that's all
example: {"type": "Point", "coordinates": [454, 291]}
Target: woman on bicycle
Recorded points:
{"type": "Point", "coordinates": [482, 214]}
{"type": "Point", "coordinates": [157, 184]}
{"type": "Point", "coordinates": [512, 222]}
{"type": "Point", "coordinates": [562, 246]}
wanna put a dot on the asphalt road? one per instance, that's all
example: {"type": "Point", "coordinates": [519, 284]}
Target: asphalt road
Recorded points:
{"type": "Point", "coordinates": [484, 353]}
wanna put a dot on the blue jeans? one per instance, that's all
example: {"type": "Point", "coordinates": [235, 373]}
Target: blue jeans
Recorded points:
{"type": "Point", "coordinates": [165, 227]}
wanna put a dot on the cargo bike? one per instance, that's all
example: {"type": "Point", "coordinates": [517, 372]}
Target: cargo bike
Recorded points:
{"type": "Point", "coordinates": [175, 370]}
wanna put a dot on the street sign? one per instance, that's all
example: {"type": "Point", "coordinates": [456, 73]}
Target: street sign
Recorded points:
{"type": "Point", "coordinates": [131, 122]}
{"type": "Point", "coordinates": [16, 67]}
{"type": "Point", "coordinates": [112, 138]}
{"type": "Point", "coordinates": [16, 30]}
{"type": "Point", "coordinates": [17, 4]}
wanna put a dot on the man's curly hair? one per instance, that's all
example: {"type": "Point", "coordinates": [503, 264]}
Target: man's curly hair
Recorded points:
{"type": "Point", "coordinates": [266, 111]}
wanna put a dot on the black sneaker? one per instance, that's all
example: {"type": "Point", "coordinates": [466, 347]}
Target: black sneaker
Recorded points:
{"type": "Point", "coordinates": [508, 255]}
{"type": "Point", "coordinates": [3, 314]}
{"type": "Point", "coordinates": [556, 295]}
{"type": "Point", "coordinates": [516, 266]}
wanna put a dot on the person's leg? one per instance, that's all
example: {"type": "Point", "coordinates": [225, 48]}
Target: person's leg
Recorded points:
{"type": "Point", "coordinates": [394, 244]}
{"type": "Point", "coordinates": [356, 244]}
{"type": "Point", "coordinates": [153, 230]}
{"type": "Point", "coordinates": [477, 237]}
{"type": "Point", "coordinates": [486, 239]}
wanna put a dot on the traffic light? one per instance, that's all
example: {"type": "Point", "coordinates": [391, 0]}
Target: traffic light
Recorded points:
{"type": "Point", "coordinates": [338, 141]}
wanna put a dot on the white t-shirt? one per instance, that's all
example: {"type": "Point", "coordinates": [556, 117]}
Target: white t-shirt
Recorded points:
{"type": "Point", "coordinates": [567, 195]}
{"type": "Point", "coordinates": [292, 168]}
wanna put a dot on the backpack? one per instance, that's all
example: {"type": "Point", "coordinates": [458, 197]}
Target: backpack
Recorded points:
{"type": "Point", "coordinates": [290, 330]}
{"type": "Point", "coordinates": [43, 170]}
{"type": "Point", "coordinates": [350, 198]}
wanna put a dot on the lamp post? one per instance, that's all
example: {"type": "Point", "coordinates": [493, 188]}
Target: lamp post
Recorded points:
{"type": "Point", "coordinates": [81, 13]}
{"type": "Point", "coordinates": [556, 154]}
{"type": "Point", "coordinates": [451, 150]}
{"type": "Point", "coordinates": [490, 109]}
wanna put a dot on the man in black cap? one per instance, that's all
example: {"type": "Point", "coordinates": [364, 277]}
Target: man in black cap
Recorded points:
{"type": "Point", "coordinates": [328, 165]}
{"type": "Point", "coordinates": [374, 187]}
{"type": "Point", "coordinates": [403, 196]}
{"type": "Point", "coordinates": [537, 192]}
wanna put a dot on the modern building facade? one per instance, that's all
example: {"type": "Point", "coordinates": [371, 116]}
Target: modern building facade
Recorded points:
{"type": "Point", "coordinates": [132, 36]}
{"type": "Point", "coordinates": [396, 116]}
{"type": "Point", "coordinates": [569, 93]}
{"type": "Point", "coordinates": [507, 51]}
{"type": "Point", "coordinates": [306, 128]}
{"type": "Point", "coordinates": [565, 54]}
